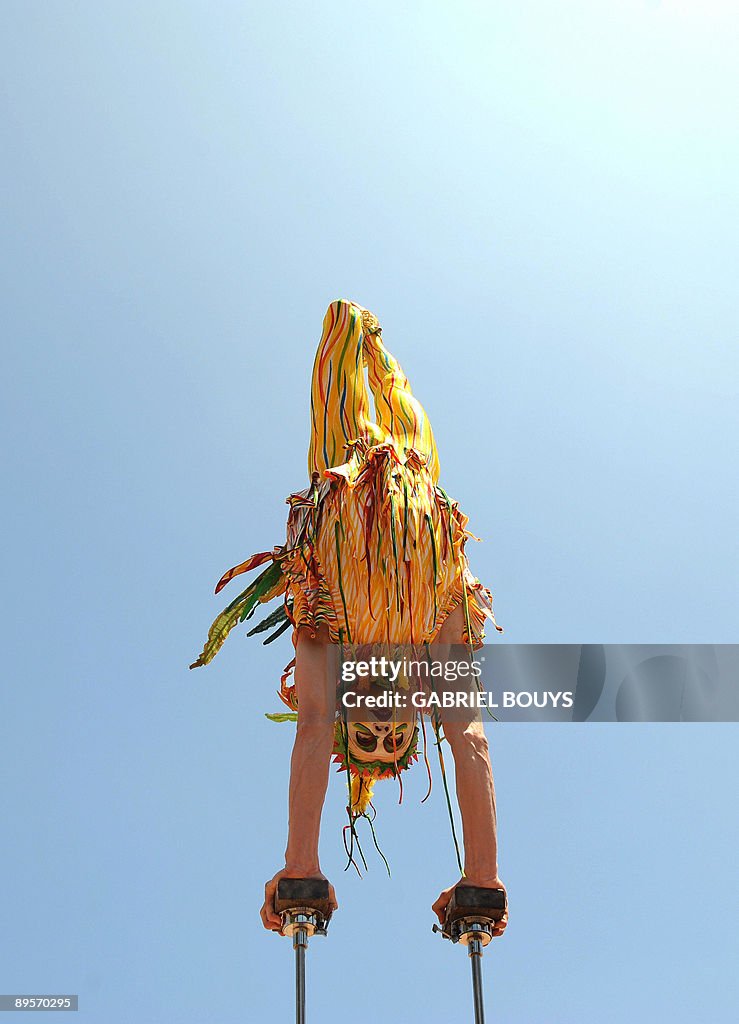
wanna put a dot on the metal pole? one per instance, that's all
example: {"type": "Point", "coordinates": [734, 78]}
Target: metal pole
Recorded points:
{"type": "Point", "coordinates": [470, 918]}
{"type": "Point", "coordinates": [304, 905]}
{"type": "Point", "coordinates": [300, 944]}
{"type": "Point", "coordinates": [474, 948]}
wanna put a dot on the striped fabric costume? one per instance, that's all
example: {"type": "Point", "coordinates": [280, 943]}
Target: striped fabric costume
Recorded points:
{"type": "Point", "coordinates": [375, 547]}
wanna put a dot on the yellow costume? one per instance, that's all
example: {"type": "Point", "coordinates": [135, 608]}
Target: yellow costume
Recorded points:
{"type": "Point", "coordinates": [375, 547]}
{"type": "Point", "coordinates": [386, 563]}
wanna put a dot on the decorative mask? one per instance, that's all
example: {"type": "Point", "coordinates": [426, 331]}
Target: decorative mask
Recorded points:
{"type": "Point", "coordinates": [378, 740]}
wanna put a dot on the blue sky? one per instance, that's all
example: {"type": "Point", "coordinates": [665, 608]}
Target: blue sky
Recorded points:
{"type": "Point", "coordinates": [539, 202]}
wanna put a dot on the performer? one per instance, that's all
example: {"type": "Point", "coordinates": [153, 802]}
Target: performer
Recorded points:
{"type": "Point", "coordinates": [374, 554]}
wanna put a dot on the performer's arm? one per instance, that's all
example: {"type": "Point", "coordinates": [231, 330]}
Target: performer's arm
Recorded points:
{"type": "Point", "coordinates": [475, 792]}
{"type": "Point", "coordinates": [309, 769]}
{"type": "Point", "coordinates": [476, 797]}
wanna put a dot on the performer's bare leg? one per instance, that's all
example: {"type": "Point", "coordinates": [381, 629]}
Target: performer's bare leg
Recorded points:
{"type": "Point", "coordinates": [309, 768]}
{"type": "Point", "coordinates": [475, 792]}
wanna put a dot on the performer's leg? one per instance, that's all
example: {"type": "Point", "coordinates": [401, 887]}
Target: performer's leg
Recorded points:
{"type": "Point", "coordinates": [397, 410]}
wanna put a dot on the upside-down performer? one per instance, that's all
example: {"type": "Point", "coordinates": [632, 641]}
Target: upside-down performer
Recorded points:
{"type": "Point", "coordinates": [374, 554]}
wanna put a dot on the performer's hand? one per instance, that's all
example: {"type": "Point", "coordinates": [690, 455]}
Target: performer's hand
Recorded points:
{"type": "Point", "coordinates": [270, 918]}
{"type": "Point", "coordinates": [439, 908]}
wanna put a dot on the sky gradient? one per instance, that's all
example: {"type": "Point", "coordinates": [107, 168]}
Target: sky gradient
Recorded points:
{"type": "Point", "coordinates": [539, 203]}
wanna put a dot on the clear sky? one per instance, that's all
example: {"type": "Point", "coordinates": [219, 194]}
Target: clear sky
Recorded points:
{"type": "Point", "coordinates": [539, 202]}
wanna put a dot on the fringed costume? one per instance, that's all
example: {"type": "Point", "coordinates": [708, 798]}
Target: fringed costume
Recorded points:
{"type": "Point", "coordinates": [374, 549]}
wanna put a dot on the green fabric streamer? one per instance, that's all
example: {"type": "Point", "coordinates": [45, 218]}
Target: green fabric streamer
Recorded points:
{"type": "Point", "coordinates": [274, 618]}
{"type": "Point", "coordinates": [239, 609]}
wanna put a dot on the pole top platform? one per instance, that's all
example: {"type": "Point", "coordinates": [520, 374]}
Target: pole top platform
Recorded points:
{"type": "Point", "coordinates": [304, 904]}
{"type": "Point", "coordinates": [294, 893]}
{"type": "Point", "coordinates": [474, 901]}
{"type": "Point", "coordinates": [470, 915]}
